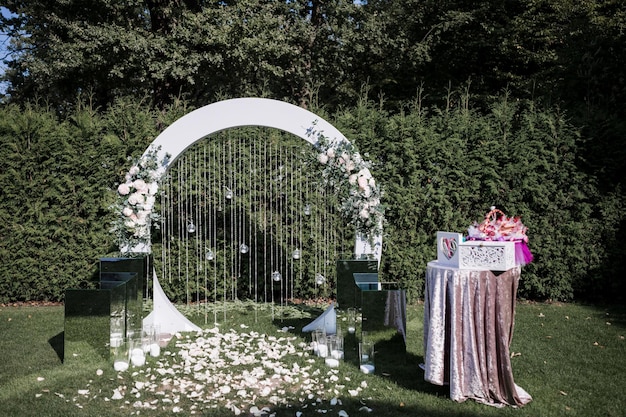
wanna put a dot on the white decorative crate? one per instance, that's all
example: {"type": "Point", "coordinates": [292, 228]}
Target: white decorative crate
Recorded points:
{"type": "Point", "coordinates": [452, 251]}
{"type": "Point", "coordinates": [495, 256]}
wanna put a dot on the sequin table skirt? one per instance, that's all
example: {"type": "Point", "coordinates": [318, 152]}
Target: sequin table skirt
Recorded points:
{"type": "Point", "coordinates": [469, 317]}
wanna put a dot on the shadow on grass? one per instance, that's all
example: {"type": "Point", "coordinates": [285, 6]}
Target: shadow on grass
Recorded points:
{"type": "Point", "coordinates": [392, 363]}
{"type": "Point", "coordinates": [357, 407]}
{"type": "Point", "coordinates": [57, 343]}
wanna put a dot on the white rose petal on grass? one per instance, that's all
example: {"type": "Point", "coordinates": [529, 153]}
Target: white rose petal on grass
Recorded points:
{"type": "Point", "coordinates": [40, 378]}
{"type": "Point", "coordinates": [342, 413]}
{"type": "Point", "coordinates": [117, 395]}
{"type": "Point", "coordinates": [99, 372]}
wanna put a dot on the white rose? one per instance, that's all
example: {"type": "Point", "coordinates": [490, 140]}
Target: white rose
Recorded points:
{"type": "Point", "coordinates": [372, 183]}
{"type": "Point", "coordinates": [135, 198]}
{"type": "Point", "coordinates": [330, 152]}
{"type": "Point", "coordinates": [352, 179]}
{"type": "Point", "coordinates": [134, 170]}
{"type": "Point", "coordinates": [365, 214]}
{"type": "Point", "coordinates": [123, 189]}
{"type": "Point", "coordinates": [127, 211]}
{"type": "Point", "coordinates": [153, 187]}
{"type": "Point", "coordinates": [350, 165]}
{"type": "Point", "coordinates": [140, 185]}
{"type": "Point", "coordinates": [149, 203]}
{"type": "Point", "coordinates": [323, 158]}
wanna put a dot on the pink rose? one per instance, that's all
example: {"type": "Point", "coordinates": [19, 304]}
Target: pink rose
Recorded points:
{"type": "Point", "coordinates": [362, 181]}
{"type": "Point", "coordinates": [123, 189]}
{"type": "Point", "coordinates": [135, 198]}
{"type": "Point", "coordinates": [323, 158]}
{"type": "Point", "coordinates": [127, 211]}
{"type": "Point", "coordinates": [140, 185]}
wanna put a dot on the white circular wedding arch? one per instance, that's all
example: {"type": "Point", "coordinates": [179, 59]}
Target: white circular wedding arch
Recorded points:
{"type": "Point", "coordinates": [228, 114]}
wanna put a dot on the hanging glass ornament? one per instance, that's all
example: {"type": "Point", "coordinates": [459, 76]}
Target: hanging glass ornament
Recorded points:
{"type": "Point", "coordinates": [276, 276]}
{"type": "Point", "coordinates": [243, 248]}
{"type": "Point", "coordinates": [229, 194]}
{"type": "Point", "coordinates": [320, 279]}
{"type": "Point", "coordinates": [191, 228]}
{"type": "Point", "coordinates": [296, 254]}
{"type": "Point", "coordinates": [307, 210]}
{"type": "Point", "coordinates": [209, 255]}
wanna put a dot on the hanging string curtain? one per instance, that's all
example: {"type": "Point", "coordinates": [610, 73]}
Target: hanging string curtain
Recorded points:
{"type": "Point", "coordinates": [238, 207]}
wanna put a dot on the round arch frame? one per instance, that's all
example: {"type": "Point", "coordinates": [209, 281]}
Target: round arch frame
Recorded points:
{"type": "Point", "coordinates": [228, 114]}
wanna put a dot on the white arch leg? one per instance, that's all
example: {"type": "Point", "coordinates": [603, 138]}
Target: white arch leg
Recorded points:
{"type": "Point", "coordinates": [165, 315]}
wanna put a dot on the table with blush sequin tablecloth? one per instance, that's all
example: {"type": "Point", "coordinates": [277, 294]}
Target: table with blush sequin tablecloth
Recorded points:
{"type": "Point", "coordinates": [469, 317]}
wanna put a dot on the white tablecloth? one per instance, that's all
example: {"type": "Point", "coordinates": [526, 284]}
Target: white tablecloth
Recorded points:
{"type": "Point", "coordinates": [468, 326]}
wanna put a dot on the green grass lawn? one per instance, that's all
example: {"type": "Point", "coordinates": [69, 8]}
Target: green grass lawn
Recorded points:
{"type": "Point", "coordinates": [570, 358]}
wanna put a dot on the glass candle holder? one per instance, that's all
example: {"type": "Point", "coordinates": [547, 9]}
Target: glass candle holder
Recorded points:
{"type": "Point", "coordinates": [351, 319]}
{"type": "Point", "coordinates": [137, 354]}
{"type": "Point", "coordinates": [121, 356]}
{"type": "Point", "coordinates": [320, 347]}
{"type": "Point", "coordinates": [366, 357]}
{"type": "Point", "coordinates": [332, 358]}
{"type": "Point", "coordinates": [155, 341]}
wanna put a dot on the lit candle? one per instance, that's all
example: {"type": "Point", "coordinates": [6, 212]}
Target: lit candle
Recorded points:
{"type": "Point", "coordinates": [155, 350]}
{"type": "Point", "coordinates": [138, 357]}
{"type": "Point", "coordinates": [322, 350]}
{"type": "Point", "coordinates": [367, 369]}
{"type": "Point", "coordinates": [120, 366]}
{"type": "Point", "coordinates": [332, 362]}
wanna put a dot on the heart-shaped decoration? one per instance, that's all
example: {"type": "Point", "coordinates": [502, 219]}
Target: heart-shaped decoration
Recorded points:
{"type": "Point", "coordinates": [448, 246]}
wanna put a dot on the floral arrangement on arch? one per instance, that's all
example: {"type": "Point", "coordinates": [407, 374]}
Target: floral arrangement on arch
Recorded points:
{"type": "Point", "coordinates": [135, 201]}
{"type": "Point", "coordinates": [348, 174]}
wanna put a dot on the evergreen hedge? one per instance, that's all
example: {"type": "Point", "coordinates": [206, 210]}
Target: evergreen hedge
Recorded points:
{"type": "Point", "coordinates": [441, 169]}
